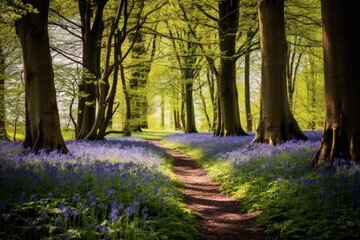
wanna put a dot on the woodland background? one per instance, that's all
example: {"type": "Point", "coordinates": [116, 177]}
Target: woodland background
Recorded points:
{"type": "Point", "coordinates": [154, 64]}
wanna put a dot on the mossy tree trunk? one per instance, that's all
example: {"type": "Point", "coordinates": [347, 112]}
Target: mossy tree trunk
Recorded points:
{"type": "Point", "coordinates": [341, 32]}
{"type": "Point", "coordinates": [139, 80]}
{"type": "Point", "coordinates": [42, 118]}
{"type": "Point", "coordinates": [276, 124]}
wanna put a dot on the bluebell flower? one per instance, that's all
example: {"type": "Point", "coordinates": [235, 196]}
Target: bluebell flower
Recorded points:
{"type": "Point", "coordinates": [33, 197]}
{"type": "Point", "coordinates": [102, 229]}
{"type": "Point", "coordinates": [280, 179]}
{"type": "Point", "coordinates": [76, 197]}
{"type": "Point", "coordinates": [65, 210]}
{"type": "Point", "coordinates": [109, 193]}
{"type": "Point", "coordinates": [74, 213]}
{"type": "Point", "coordinates": [114, 214]}
{"type": "Point", "coordinates": [129, 211]}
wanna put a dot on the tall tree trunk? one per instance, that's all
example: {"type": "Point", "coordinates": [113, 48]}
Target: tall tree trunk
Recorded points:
{"type": "Point", "coordinates": [108, 104]}
{"type": "Point", "coordinates": [247, 93]}
{"type": "Point", "coordinates": [311, 89]}
{"type": "Point", "coordinates": [162, 107]}
{"type": "Point", "coordinates": [92, 31]}
{"type": "Point", "coordinates": [292, 66]}
{"type": "Point", "coordinates": [42, 118]}
{"type": "Point", "coordinates": [190, 126]}
{"type": "Point", "coordinates": [139, 80]}
{"type": "Point", "coordinates": [212, 76]}
{"type": "Point", "coordinates": [3, 134]}
{"type": "Point", "coordinates": [182, 107]}
{"type": "Point", "coordinates": [127, 127]}
{"type": "Point", "coordinates": [276, 123]}
{"type": "Point", "coordinates": [177, 124]}
{"type": "Point", "coordinates": [204, 106]}
{"type": "Point", "coordinates": [341, 32]}
{"type": "Point", "coordinates": [229, 124]}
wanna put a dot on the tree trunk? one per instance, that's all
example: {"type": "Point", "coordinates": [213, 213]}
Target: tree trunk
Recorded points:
{"type": "Point", "coordinates": [3, 134]}
{"type": "Point", "coordinates": [229, 124]}
{"type": "Point", "coordinates": [92, 31]}
{"type": "Point", "coordinates": [341, 135]}
{"type": "Point", "coordinates": [177, 124]}
{"type": "Point", "coordinates": [211, 76]}
{"type": "Point", "coordinates": [162, 107]}
{"type": "Point", "coordinates": [42, 118]}
{"type": "Point", "coordinates": [311, 90]}
{"type": "Point", "coordinates": [182, 107]}
{"type": "Point", "coordinates": [127, 127]}
{"type": "Point", "coordinates": [247, 93]}
{"type": "Point", "coordinates": [292, 66]}
{"type": "Point", "coordinates": [276, 123]}
{"type": "Point", "coordinates": [190, 126]}
{"type": "Point", "coordinates": [109, 102]}
{"type": "Point", "coordinates": [204, 107]}
{"type": "Point", "coordinates": [139, 80]}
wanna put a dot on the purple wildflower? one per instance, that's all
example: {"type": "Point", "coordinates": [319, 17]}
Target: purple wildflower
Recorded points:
{"type": "Point", "coordinates": [114, 214]}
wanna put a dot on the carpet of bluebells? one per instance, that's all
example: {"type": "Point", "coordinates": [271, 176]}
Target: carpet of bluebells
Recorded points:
{"type": "Point", "coordinates": [294, 200]}
{"type": "Point", "coordinates": [114, 189]}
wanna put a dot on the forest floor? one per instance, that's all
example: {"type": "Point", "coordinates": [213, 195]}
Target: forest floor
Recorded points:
{"type": "Point", "coordinates": [220, 217]}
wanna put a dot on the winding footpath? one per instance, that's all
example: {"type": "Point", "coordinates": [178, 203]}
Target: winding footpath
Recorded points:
{"type": "Point", "coordinates": [220, 215]}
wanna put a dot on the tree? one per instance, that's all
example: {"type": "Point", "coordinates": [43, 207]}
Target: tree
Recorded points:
{"type": "Point", "coordinates": [42, 118]}
{"type": "Point", "coordinates": [228, 111]}
{"type": "Point", "coordinates": [9, 55]}
{"type": "Point", "coordinates": [247, 93]}
{"type": "Point", "coordinates": [92, 32]}
{"type": "Point", "coordinates": [139, 79]}
{"type": "Point", "coordinates": [276, 123]}
{"type": "Point", "coordinates": [341, 135]}
{"type": "Point", "coordinates": [3, 133]}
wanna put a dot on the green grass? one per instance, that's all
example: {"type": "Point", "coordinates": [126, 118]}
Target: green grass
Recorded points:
{"type": "Point", "coordinates": [295, 201]}
{"type": "Point", "coordinates": [69, 133]}
{"type": "Point", "coordinates": [153, 134]}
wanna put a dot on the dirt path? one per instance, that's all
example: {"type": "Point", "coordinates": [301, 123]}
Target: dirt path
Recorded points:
{"type": "Point", "coordinates": [220, 216]}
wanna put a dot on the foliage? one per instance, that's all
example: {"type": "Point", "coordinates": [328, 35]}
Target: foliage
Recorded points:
{"type": "Point", "coordinates": [118, 189]}
{"type": "Point", "coordinates": [295, 201]}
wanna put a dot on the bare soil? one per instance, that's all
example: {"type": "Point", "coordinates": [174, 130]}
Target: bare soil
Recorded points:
{"type": "Point", "coordinates": [220, 214]}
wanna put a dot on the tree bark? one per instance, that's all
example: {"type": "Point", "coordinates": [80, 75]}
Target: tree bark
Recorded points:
{"type": "Point", "coordinates": [292, 66]}
{"type": "Point", "coordinates": [341, 135]}
{"type": "Point", "coordinates": [204, 107]}
{"type": "Point", "coordinates": [162, 108]}
{"type": "Point", "coordinates": [177, 124]}
{"type": "Point", "coordinates": [276, 123]}
{"type": "Point", "coordinates": [3, 134]}
{"type": "Point", "coordinates": [229, 124]}
{"type": "Point", "coordinates": [42, 118]}
{"type": "Point", "coordinates": [247, 94]}
{"type": "Point", "coordinates": [139, 80]}
{"type": "Point", "coordinates": [127, 129]}
{"type": "Point", "coordinates": [190, 126]}
{"type": "Point", "coordinates": [92, 31]}
{"type": "Point", "coordinates": [311, 89]}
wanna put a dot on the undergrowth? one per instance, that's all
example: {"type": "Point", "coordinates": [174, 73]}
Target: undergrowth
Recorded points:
{"type": "Point", "coordinates": [295, 200]}
{"type": "Point", "coordinates": [116, 189]}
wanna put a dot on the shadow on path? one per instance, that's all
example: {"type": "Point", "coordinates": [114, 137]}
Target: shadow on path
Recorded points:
{"type": "Point", "coordinates": [220, 215]}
